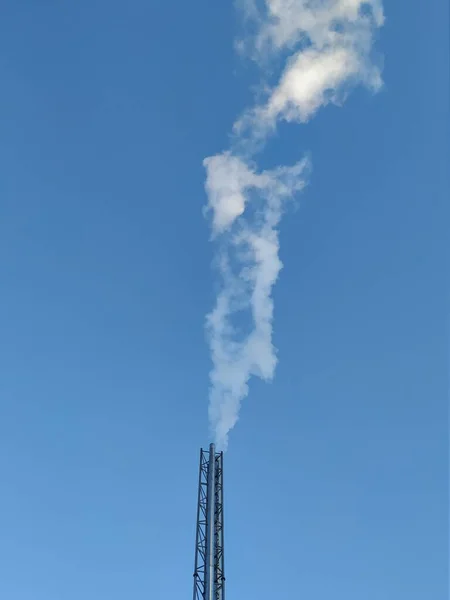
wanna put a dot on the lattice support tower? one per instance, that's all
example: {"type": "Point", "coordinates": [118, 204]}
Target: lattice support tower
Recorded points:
{"type": "Point", "coordinates": [209, 574]}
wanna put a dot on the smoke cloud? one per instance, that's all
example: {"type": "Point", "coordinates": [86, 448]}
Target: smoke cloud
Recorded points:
{"type": "Point", "coordinates": [328, 44]}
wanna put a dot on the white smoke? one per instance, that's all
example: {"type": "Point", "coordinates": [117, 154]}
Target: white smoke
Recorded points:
{"type": "Point", "coordinates": [329, 44]}
{"type": "Point", "coordinates": [249, 266]}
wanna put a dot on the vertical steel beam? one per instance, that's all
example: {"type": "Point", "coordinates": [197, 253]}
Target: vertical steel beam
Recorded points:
{"type": "Point", "coordinates": [201, 530]}
{"type": "Point", "coordinates": [218, 531]}
{"type": "Point", "coordinates": [210, 522]}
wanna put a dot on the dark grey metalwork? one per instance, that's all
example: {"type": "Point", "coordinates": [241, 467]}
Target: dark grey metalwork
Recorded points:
{"type": "Point", "coordinates": [201, 531]}
{"type": "Point", "coordinates": [209, 576]}
{"type": "Point", "coordinates": [210, 529]}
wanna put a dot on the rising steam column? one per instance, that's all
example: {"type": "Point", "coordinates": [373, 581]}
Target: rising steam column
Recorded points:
{"type": "Point", "coordinates": [209, 578]}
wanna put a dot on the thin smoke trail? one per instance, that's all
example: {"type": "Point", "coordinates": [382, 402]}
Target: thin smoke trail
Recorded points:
{"type": "Point", "coordinates": [329, 48]}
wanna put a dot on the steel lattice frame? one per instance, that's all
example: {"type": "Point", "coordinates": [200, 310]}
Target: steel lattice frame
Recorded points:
{"type": "Point", "coordinates": [209, 492]}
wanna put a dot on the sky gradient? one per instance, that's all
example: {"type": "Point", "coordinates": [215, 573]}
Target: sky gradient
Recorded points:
{"type": "Point", "coordinates": [336, 473]}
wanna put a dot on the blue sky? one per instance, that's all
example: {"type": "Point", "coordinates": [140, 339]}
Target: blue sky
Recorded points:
{"type": "Point", "coordinates": [336, 474]}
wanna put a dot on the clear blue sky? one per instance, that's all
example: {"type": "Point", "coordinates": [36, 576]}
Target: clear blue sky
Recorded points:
{"type": "Point", "coordinates": [336, 475]}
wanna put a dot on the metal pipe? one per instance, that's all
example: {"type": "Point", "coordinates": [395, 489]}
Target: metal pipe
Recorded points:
{"type": "Point", "coordinates": [210, 540]}
{"type": "Point", "coordinates": [222, 529]}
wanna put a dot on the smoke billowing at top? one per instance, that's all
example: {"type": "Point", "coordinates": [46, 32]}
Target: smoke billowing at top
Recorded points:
{"type": "Point", "coordinates": [328, 44]}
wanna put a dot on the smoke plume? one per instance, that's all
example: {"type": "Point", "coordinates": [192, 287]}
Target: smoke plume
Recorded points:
{"type": "Point", "coordinates": [328, 48]}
